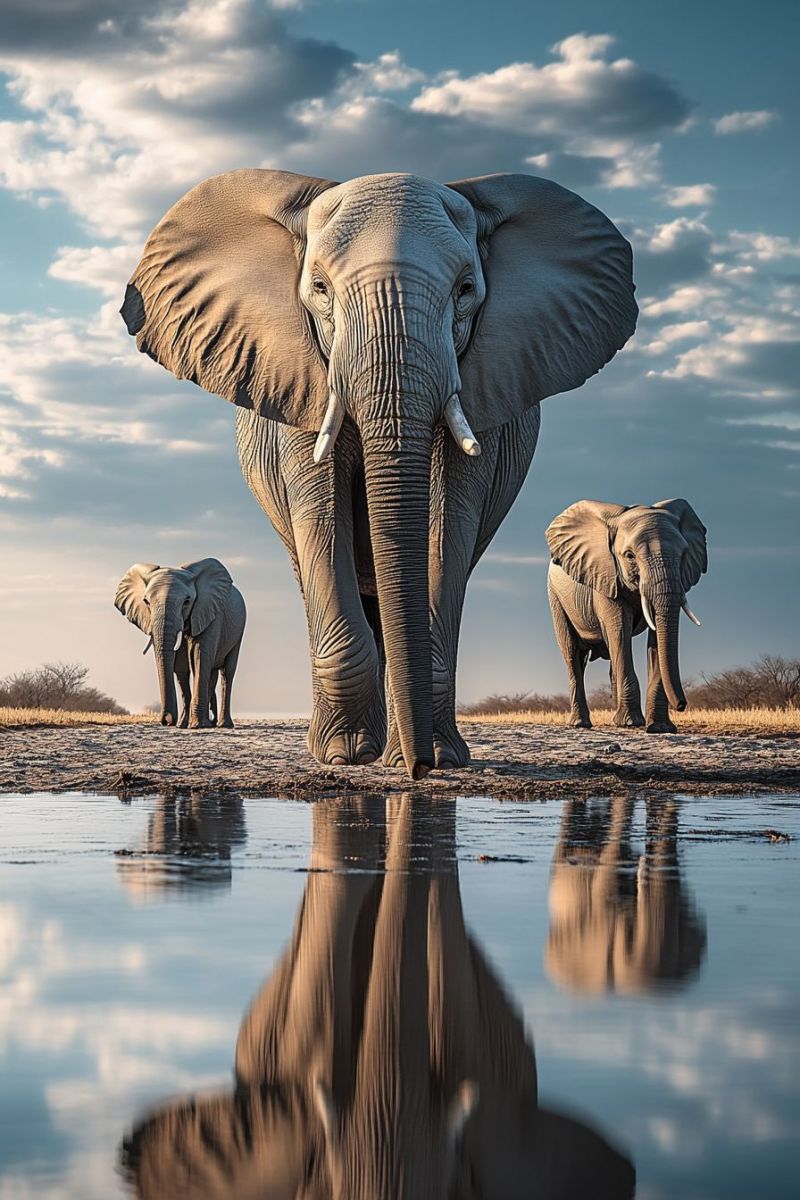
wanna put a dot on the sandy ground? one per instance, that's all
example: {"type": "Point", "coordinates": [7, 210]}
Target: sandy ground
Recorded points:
{"type": "Point", "coordinates": [270, 758]}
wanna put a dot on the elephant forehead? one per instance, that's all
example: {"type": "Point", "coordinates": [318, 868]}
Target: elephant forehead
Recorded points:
{"type": "Point", "coordinates": [388, 207]}
{"type": "Point", "coordinates": [171, 578]}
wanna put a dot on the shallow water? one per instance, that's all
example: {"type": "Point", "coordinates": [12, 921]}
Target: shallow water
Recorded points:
{"type": "Point", "coordinates": [642, 960]}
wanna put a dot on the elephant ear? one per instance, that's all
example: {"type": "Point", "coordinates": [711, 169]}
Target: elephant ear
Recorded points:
{"type": "Point", "coordinates": [215, 297]}
{"type": "Point", "coordinates": [130, 594]}
{"type": "Point", "coordinates": [213, 584]}
{"type": "Point", "coordinates": [695, 562]}
{"type": "Point", "coordinates": [253, 1142]}
{"type": "Point", "coordinates": [580, 541]}
{"type": "Point", "coordinates": [559, 295]}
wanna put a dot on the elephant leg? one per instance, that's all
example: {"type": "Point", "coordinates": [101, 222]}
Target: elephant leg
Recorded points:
{"type": "Point", "coordinates": [311, 508]}
{"type": "Point", "coordinates": [575, 657]}
{"type": "Point", "coordinates": [616, 621]}
{"type": "Point", "coordinates": [182, 676]}
{"type": "Point", "coordinates": [228, 672]}
{"type": "Point", "coordinates": [348, 723]}
{"type": "Point", "coordinates": [201, 678]}
{"type": "Point", "coordinates": [656, 705]}
{"type": "Point", "coordinates": [213, 679]}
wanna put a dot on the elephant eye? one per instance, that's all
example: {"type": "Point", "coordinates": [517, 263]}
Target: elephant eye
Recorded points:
{"type": "Point", "coordinates": [466, 287]}
{"type": "Point", "coordinates": [319, 286]}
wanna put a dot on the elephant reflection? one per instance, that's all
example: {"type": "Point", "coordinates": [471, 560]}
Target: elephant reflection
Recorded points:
{"type": "Point", "coordinates": [382, 1059]}
{"type": "Point", "coordinates": [616, 925]}
{"type": "Point", "coordinates": [187, 846]}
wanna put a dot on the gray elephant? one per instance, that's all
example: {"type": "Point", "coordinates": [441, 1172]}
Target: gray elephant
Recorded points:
{"type": "Point", "coordinates": [370, 332]}
{"type": "Point", "coordinates": [198, 604]}
{"type": "Point", "coordinates": [382, 1060]}
{"type": "Point", "coordinates": [617, 570]}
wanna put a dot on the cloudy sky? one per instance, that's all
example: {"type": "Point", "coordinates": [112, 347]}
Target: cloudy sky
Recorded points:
{"type": "Point", "coordinates": [677, 120]}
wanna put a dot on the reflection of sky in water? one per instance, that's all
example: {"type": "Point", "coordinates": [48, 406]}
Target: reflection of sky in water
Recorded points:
{"type": "Point", "coordinates": [115, 995]}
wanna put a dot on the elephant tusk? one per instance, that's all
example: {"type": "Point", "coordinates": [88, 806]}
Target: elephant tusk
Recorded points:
{"type": "Point", "coordinates": [648, 616]}
{"type": "Point", "coordinates": [331, 424]}
{"type": "Point", "coordinates": [149, 644]}
{"type": "Point", "coordinates": [179, 639]}
{"type": "Point", "coordinates": [459, 426]}
{"type": "Point", "coordinates": [690, 614]}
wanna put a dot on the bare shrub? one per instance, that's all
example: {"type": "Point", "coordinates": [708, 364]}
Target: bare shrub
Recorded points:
{"type": "Point", "coordinates": [59, 686]}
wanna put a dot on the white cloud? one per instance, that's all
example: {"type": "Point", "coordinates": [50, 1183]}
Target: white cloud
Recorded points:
{"type": "Point", "coordinates": [583, 102]}
{"type": "Point", "coordinates": [678, 332]}
{"type": "Point", "coordinates": [696, 195]}
{"type": "Point", "coordinates": [389, 73]}
{"type": "Point", "coordinates": [760, 247]}
{"type": "Point", "coordinates": [745, 122]}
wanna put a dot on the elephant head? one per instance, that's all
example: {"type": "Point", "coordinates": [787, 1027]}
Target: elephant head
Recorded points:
{"type": "Point", "coordinates": [612, 929]}
{"type": "Point", "coordinates": [657, 552]}
{"type": "Point", "coordinates": [166, 602]}
{"type": "Point", "coordinates": [382, 1060]}
{"type": "Point", "coordinates": [399, 304]}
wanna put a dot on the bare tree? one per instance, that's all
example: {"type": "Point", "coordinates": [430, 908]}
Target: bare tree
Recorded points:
{"type": "Point", "coordinates": [55, 685]}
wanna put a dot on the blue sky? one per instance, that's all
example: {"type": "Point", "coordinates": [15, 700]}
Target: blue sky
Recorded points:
{"type": "Point", "coordinates": [678, 120]}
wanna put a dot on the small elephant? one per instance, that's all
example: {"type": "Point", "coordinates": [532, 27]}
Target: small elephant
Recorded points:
{"type": "Point", "coordinates": [617, 570]}
{"type": "Point", "coordinates": [196, 600]}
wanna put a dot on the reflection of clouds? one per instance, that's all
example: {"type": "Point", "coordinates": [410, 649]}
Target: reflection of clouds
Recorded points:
{"type": "Point", "coordinates": [725, 1071]}
{"type": "Point", "coordinates": [100, 1059]}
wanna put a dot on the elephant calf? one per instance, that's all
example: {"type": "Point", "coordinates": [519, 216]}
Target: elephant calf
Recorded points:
{"type": "Point", "coordinates": [615, 571]}
{"type": "Point", "coordinates": [195, 619]}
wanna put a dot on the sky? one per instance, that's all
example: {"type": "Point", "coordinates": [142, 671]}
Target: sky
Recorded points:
{"type": "Point", "coordinates": [679, 121]}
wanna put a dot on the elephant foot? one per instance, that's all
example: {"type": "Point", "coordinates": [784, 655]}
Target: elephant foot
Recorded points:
{"type": "Point", "coordinates": [625, 719]}
{"type": "Point", "coordinates": [198, 723]}
{"type": "Point", "coordinates": [227, 723]}
{"type": "Point", "coordinates": [449, 747]}
{"type": "Point", "coordinates": [576, 721]}
{"type": "Point", "coordinates": [184, 722]}
{"type": "Point", "coordinates": [342, 747]}
{"type": "Point", "coordinates": [661, 727]}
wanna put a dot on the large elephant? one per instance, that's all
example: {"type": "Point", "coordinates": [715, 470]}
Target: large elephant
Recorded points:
{"type": "Point", "coordinates": [613, 928]}
{"type": "Point", "coordinates": [198, 604]}
{"type": "Point", "coordinates": [616, 571]}
{"type": "Point", "coordinates": [383, 1059]}
{"type": "Point", "coordinates": [381, 316]}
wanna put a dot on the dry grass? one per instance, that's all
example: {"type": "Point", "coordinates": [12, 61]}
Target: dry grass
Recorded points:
{"type": "Point", "coordinates": [21, 718]}
{"type": "Point", "coordinates": [744, 721]}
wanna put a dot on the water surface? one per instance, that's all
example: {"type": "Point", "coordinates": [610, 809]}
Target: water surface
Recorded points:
{"type": "Point", "coordinates": [225, 997]}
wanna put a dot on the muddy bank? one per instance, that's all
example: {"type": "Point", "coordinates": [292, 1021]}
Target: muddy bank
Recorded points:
{"type": "Point", "coordinates": [270, 758]}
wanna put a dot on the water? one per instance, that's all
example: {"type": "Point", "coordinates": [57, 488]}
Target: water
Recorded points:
{"type": "Point", "coordinates": [642, 961]}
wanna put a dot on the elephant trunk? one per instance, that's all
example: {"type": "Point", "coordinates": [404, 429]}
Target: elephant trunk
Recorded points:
{"type": "Point", "coordinates": [164, 630]}
{"type": "Point", "coordinates": [397, 469]}
{"type": "Point", "coordinates": [667, 611]}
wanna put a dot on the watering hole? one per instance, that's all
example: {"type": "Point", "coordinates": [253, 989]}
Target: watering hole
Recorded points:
{"type": "Point", "coordinates": [576, 990]}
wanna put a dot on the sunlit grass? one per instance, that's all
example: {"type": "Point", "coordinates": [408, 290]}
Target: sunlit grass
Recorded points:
{"type": "Point", "coordinates": [23, 717]}
{"type": "Point", "coordinates": [697, 720]}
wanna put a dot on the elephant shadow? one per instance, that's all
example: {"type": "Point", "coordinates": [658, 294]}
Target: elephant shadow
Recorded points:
{"type": "Point", "coordinates": [187, 847]}
{"type": "Point", "coordinates": [618, 922]}
{"type": "Point", "coordinates": [382, 1058]}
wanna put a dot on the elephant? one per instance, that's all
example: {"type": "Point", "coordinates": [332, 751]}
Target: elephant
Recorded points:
{"type": "Point", "coordinates": [187, 847]}
{"type": "Point", "coordinates": [198, 603]}
{"type": "Point", "coordinates": [387, 341]}
{"type": "Point", "coordinates": [611, 929]}
{"type": "Point", "coordinates": [382, 1060]}
{"type": "Point", "coordinates": [617, 570]}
